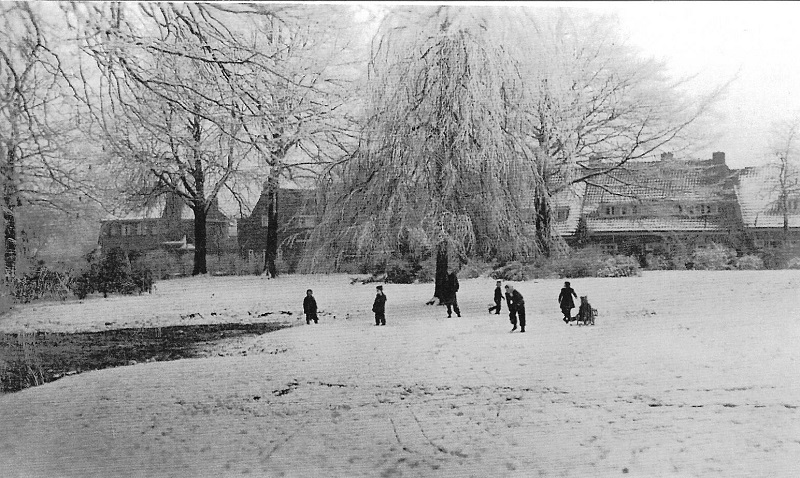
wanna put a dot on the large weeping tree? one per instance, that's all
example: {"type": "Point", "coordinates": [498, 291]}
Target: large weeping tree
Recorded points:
{"type": "Point", "coordinates": [442, 162]}
{"type": "Point", "coordinates": [478, 114]}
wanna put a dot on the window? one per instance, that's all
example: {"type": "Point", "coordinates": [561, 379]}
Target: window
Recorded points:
{"type": "Point", "coordinates": [562, 213]}
{"type": "Point", "coordinates": [264, 221]}
{"type": "Point", "coordinates": [608, 248]}
{"type": "Point", "coordinates": [127, 229]}
{"type": "Point", "coordinates": [620, 210]}
{"type": "Point", "coordinates": [758, 242]}
{"type": "Point", "coordinates": [141, 229]}
{"type": "Point", "coordinates": [306, 221]}
{"type": "Point", "coordinates": [250, 256]}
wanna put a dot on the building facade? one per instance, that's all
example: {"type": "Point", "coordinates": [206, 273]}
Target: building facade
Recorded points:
{"type": "Point", "coordinates": [168, 225]}
{"type": "Point", "coordinates": [296, 219]}
{"type": "Point", "coordinates": [770, 211]}
{"type": "Point", "coordinates": [652, 208]}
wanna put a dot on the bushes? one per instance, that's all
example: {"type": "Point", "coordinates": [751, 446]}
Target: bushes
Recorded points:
{"type": "Point", "coordinates": [42, 283]}
{"type": "Point", "coordinates": [713, 257]}
{"type": "Point", "coordinates": [399, 271]}
{"type": "Point", "coordinates": [750, 262]}
{"type": "Point", "coordinates": [513, 271]}
{"type": "Point", "coordinates": [619, 266]}
{"type": "Point", "coordinates": [113, 273]}
{"type": "Point", "coordinates": [587, 262]}
{"type": "Point", "coordinates": [473, 269]}
{"type": "Point", "coordinates": [793, 263]}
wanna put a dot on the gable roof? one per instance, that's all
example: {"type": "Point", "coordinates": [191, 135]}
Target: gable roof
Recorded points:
{"type": "Point", "coordinates": [690, 181]}
{"type": "Point", "coordinates": [665, 181]}
{"type": "Point", "coordinates": [572, 198]}
{"type": "Point", "coordinates": [757, 193]}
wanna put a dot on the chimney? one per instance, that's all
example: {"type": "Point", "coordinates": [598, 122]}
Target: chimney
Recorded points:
{"type": "Point", "coordinates": [666, 156]}
{"type": "Point", "coordinates": [718, 157]}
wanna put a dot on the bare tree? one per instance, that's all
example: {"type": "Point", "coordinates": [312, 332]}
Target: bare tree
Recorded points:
{"type": "Point", "coordinates": [43, 159]}
{"type": "Point", "coordinates": [244, 73]}
{"type": "Point", "coordinates": [787, 165]}
{"type": "Point", "coordinates": [597, 104]}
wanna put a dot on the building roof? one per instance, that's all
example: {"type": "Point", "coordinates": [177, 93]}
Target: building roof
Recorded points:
{"type": "Point", "coordinates": [155, 210]}
{"type": "Point", "coordinates": [691, 181]}
{"type": "Point", "coordinates": [661, 184]}
{"type": "Point", "coordinates": [757, 193]}
{"type": "Point", "coordinates": [652, 224]}
{"type": "Point", "coordinates": [572, 198]}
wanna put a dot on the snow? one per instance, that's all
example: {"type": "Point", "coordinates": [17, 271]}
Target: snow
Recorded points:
{"type": "Point", "coordinates": [686, 373]}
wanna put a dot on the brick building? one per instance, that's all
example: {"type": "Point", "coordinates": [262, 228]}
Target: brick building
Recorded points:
{"type": "Point", "coordinates": [654, 207]}
{"type": "Point", "coordinates": [296, 218]}
{"type": "Point", "coordinates": [167, 225]}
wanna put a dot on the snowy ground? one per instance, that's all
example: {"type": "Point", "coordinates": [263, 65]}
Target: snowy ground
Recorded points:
{"type": "Point", "coordinates": [685, 374]}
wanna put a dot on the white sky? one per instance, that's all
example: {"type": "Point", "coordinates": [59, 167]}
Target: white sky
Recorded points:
{"type": "Point", "coordinates": [757, 43]}
{"type": "Point", "coordinates": [754, 42]}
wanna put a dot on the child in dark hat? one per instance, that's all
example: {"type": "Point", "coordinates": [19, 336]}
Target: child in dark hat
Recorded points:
{"type": "Point", "coordinates": [379, 306]}
{"type": "Point", "coordinates": [498, 299]}
{"type": "Point", "coordinates": [565, 301]}
{"type": "Point", "coordinates": [310, 307]}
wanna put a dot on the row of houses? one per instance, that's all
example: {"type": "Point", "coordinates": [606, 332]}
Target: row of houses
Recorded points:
{"type": "Point", "coordinates": [646, 208]}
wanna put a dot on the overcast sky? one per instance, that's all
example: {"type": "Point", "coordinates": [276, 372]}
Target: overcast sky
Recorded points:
{"type": "Point", "coordinates": [757, 43]}
{"type": "Point", "coordinates": [753, 43]}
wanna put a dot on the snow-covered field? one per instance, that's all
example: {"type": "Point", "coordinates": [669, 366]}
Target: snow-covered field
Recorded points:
{"type": "Point", "coordinates": [685, 374]}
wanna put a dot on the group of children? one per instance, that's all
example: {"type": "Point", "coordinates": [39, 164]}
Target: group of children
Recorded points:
{"type": "Point", "coordinates": [514, 300]}
{"type": "Point", "coordinates": [378, 307]}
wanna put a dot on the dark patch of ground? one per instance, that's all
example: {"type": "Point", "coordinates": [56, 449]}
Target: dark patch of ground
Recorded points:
{"type": "Point", "coordinates": [27, 360]}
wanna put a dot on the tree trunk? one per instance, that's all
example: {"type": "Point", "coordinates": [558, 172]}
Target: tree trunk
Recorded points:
{"type": "Point", "coordinates": [5, 289]}
{"type": "Point", "coordinates": [441, 270]}
{"type": "Point", "coordinates": [271, 251]}
{"type": "Point", "coordinates": [200, 239]}
{"type": "Point", "coordinates": [9, 178]}
{"type": "Point", "coordinates": [543, 220]}
{"type": "Point", "coordinates": [199, 203]}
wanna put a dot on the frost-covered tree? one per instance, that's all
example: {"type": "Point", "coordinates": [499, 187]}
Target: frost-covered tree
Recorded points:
{"type": "Point", "coordinates": [442, 160]}
{"type": "Point", "coordinates": [195, 97]}
{"type": "Point", "coordinates": [598, 104]}
{"type": "Point", "coordinates": [43, 158]}
{"type": "Point", "coordinates": [472, 106]}
{"type": "Point", "coordinates": [786, 165]}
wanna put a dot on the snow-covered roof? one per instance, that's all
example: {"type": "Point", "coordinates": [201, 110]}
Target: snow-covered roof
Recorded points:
{"type": "Point", "coordinates": [691, 181]}
{"type": "Point", "coordinates": [651, 224]}
{"type": "Point", "coordinates": [571, 198]}
{"type": "Point", "coordinates": [757, 193]}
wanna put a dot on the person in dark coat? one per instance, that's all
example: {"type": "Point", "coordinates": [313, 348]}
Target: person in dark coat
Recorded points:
{"type": "Point", "coordinates": [310, 307]}
{"type": "Point", "coordinates": [512, 312]}
{"type": "Point", "coordinates": [498, 299]}
{"type": "Point", "coordinates": [450, 298]}
{"type": "Point", "coordinates": [519, 308]}
{"type": "Point", "coordinates": [379, 306]}
{"type": "Point", "coordinates": [565, 301]}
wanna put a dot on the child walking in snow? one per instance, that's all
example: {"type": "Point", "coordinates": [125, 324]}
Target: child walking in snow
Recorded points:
{"type": "Point", "coordinates": [379, 306]}
{"type": "Point", "coordinates": [498, 299]}
{"type": "Point", "coordinates": [565, 301]}
{"type": "Point", "coordinates": [310, 307]}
